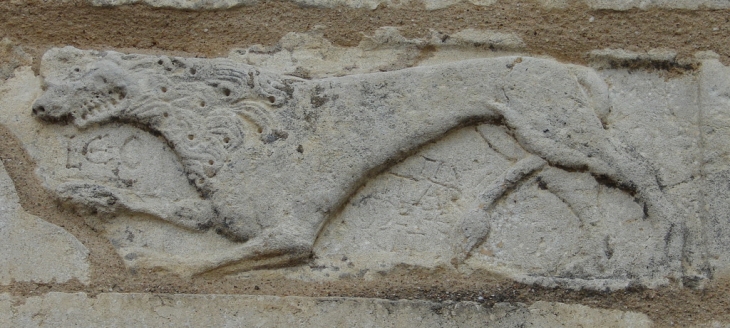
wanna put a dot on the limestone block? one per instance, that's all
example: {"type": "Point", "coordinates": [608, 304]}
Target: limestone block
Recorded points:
{"type": "Point", "coordinates": [33, 249]}
{"type": "Point", "coordinates": [519, 165]}
{"type": "Point", "coordinates": [111, 309]}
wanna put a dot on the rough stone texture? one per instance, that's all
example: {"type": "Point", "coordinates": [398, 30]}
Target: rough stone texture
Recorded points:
{"type": "Point", "coordinates": [713, 324]}
{"type": "Point", "coordinates": [11, 57]}
{"type": "Point", "coordinates": [528, 244]}
{"type": "Point", "coordinates": [111, 309]}
{"type": "Point", "coordinates": [659, 118]}
{"type": "Point", "coordinates": [715, 96]}
{"type": "Point", "coordinates": [374, 4]}
{"type": "Point", "coordinates": [428, 4]}
{"type": "Point", "coordinates": [310, 55]}
{"type": "Point", "coordinates": [611, 58]}
{"type": "Point", "coordinates": [35, 250]}
{"type": "Point", "coordinates": [219, 4]}
{"type": "Point", "coordinates": [182, 4]}
{"type": "Point", "coordinates": [646, 4]}
{"type": "Point", "coordinates": [580, 198]}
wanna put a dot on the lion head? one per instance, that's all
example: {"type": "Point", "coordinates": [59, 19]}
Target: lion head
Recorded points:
{"type": "Point", "coordinates": [91, 95]}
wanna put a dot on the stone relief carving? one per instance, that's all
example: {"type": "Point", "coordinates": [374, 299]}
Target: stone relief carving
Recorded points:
{"type": "Point", "coordinates": [273, 158]}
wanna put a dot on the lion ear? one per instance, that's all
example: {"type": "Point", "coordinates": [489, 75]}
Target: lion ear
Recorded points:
{"type": "Point", "coordinates": [595, 89]}
{"type": "Point", "coordinates": [115, 75]}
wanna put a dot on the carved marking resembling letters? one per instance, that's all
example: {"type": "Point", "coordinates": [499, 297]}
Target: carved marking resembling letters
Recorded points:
{"type": "Point", "coordinates": [128, 148]}
{"type": "Point", "coordinates": [271, 175]}
{"type": "Point", "coordinates": [99, 151]}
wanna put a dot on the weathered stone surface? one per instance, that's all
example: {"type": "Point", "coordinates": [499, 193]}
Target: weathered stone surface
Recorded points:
{"type": "Point", "coordinates": [659, 118]}
{"type": "Point", "coordinates": [614, 58]}
{"type": "Point", "coordinates": [110, 309]}
{"type": "Point", "coordinates": [646, 4]}
{"type": "Point", "coordinates": [373, 4]}
{"type": "Point", "coordinates": [310, 55]}
{"type": "Point", "coordinates": [712, 324]}
{"type": "Point", "coordinates": [219, 4]}
{"type": "Point", "coordinates": [11, 57]}
{"type": "Point", "coordinates": [528, 244]}
{"type": "Point", "coordinates": [182, 4]}
{"type": "Point", "coordinates": [33, 249]}
{"type": "Point", "coordinates": [552, 188]}
{"type": "Point", "coordinates": [715, 95]}
{"type": "Point", "coordinates": [428, 4]}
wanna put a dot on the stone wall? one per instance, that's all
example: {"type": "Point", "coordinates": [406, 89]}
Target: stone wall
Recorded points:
{"type": "Point", "coordinates": [364, 163]}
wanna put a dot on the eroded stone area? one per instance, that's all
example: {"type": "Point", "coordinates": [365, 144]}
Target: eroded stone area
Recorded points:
{"type": "Point", "coordinates": [310, 55]}
{"type": "Point", "coordinates": [428, 4]}
{"type": "Point", "coordinates": [11, 57]}
{"type": "Point", "coordinates": [714, 92]}
{"type": "Point", "coordinates": [113, 309]}
{"type": "Point", "coordinates": [33, 249]}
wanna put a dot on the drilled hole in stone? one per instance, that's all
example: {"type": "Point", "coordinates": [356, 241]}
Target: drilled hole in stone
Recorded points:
{"type": "Point", "coordinates": [211, 162]}
{"type": "Point", "coordinates": [226, 140]}
{"type": "Point", "coordinates": [160, 62]}
{"type": "Point", "coordinates": [226, 92]}
{"type": "Point", "coordinates": [76, 69]}
{"type": "Point", "coordinates": [191, 137]}
{"type": "Point", "coordinates": [261, 130]}
{"type": "Point", "coordinates": [202, 104]}
{"type": "Point", "coordinates": [272, 99]}
{"type": "Point", "coordinates": [163, 89]}
{"type": "Point", "coordinates": [165, 114]}
{"type": "Point", "coordinates": [192, 71]}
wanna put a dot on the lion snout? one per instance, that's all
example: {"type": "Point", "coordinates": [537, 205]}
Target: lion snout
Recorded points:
{"type": "Point", "coordinates": [49, 110]}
